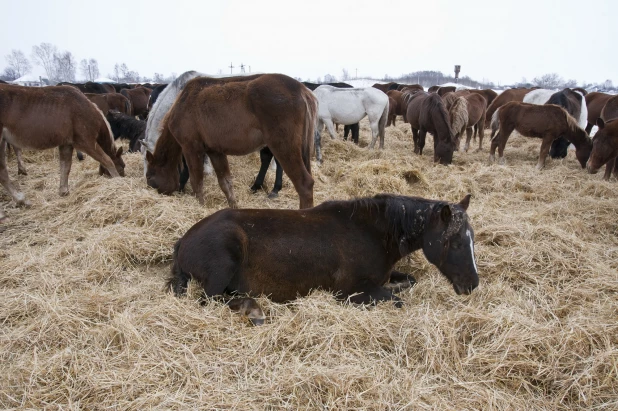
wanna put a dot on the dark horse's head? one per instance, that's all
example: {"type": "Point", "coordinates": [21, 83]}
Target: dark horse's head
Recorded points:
{"type": "Point", "coordinates": [448, 243]}
{"type": "Point", "coordinates": [160, 176]}
{"type": "Point", "coordinates": [585, 148]}
{"type": "Point", "coordinates": [604, 147]}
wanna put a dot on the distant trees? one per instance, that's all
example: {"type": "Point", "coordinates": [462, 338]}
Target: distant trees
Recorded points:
{"type": "Point", "coordinates": [89, 69]}
{"type": "Point", "coordinates": [344, 75]}
{"type": "Point", "coordinates": [59, 66]}
{"type": "Point", "coordinates": [549, 81]}
{"type": "Point", "coordinates": [122, 74]}
{"type": "Point", "coordinates": [17, 65]}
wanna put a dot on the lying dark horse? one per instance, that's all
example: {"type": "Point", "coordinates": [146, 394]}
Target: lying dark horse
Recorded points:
{"type": "Point", "coordinates": [347, 247]}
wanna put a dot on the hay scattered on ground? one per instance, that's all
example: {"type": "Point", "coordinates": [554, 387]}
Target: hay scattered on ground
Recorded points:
{"type": "Point", "coordinates": [85, 323]}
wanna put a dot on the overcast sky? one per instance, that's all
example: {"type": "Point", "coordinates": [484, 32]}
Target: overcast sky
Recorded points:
{"type": "Point", "coordinates": [499, 41]}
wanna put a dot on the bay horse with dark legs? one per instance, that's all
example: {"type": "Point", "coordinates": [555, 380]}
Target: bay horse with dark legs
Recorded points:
{"type": "Point", "coordinates": [426, 113]}
{"type": "Point", "coordinates": [47, 117]}
{"type": "Point", "coordinates": [347, 247]}
{"type": "Point", "coordinates": [604, 149]}
{"type": "Point", "coordinates": [216, 117]}
{"type": "Point", "coordinates": [547, 122]}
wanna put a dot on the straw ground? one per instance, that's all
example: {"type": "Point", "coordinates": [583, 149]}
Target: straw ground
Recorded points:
{"type": "Point", "coordinates": [85, 323]}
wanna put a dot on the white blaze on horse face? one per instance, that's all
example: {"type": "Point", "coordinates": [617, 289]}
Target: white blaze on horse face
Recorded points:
{"type": "Point", "coordinates": [472, 249]}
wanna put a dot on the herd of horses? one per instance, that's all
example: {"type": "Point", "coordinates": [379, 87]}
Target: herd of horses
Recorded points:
{"type": "Point", "coordinates": [193, 124]}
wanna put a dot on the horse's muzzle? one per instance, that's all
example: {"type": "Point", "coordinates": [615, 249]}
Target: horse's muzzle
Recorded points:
{"type": "Point", "coordinates": [463, 289]}
{"type": "Point", "coordinates": [590, 169]}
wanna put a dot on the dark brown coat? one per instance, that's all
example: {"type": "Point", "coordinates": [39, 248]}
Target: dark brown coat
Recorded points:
{"type": "Point", "coordinates": [513, 94]}
{"type": "Point", "coordinates": [107, 102]}
{"type": "Point", "coordinates": [595, 102]}
{"type": "Point", "coordinates": [610, 110]}
{"type": "Point", "coordinates": [604, 149]}
{"type": "Point", "coordinates": [139, 100]}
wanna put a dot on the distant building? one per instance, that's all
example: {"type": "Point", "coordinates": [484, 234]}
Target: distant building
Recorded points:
{"type": "Point", "coordinates": [31, 80]}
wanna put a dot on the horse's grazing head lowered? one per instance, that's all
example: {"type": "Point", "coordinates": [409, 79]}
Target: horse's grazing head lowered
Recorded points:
{"type": "Point", "coordinates": [448, 243]}
{"type": "Point", "coordinates": [605, 145]}
{"type": "Point", "coordinates": [159, 176]}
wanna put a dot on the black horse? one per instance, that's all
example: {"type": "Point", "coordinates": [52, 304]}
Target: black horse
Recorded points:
{"type": "Point", "coordinates": [127, 127]}
{"type": "Point", "coordinates": [155, 95]}
{"type": "Point", "coordinates": [347, 247]}
{"type": "Point", "coordinates": [571, 101]}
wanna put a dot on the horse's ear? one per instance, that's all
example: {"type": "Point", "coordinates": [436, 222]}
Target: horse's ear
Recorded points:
{"type": "Point", "coordinates": [600, 123]}
{"type": "Point", "coordinates": [446, 214]}
{"type": "Point", "coordinates": [465, 202]}
{"type": "Point", "coordinates": [119, 152]}
{"type": "Point", "coordinates": [149, 157]}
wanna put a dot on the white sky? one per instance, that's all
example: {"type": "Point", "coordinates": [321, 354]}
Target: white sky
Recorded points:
{"type": "Point", "coordinates": [501, 41]}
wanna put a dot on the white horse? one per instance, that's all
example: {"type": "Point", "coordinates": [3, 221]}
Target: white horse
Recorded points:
{"type": "Point", "coordinates": [159, 110]}
{"type": "Point", "coordinates": [349, 106]}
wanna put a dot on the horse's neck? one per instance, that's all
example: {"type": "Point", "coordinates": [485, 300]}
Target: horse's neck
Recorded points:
{"type": "Point", "coordinates": [577, 138]}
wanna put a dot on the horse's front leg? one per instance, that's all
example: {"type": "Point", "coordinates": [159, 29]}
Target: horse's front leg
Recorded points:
{"type": "Point", "coordinates": [66, 157]}
{"type": "Point", "coordinates": [13, 190]}
{"type": "Point", "coordinates": [278, 180]}
{"type": "Point", "coordinates": [195, 164]}
{"type": "Point", "coordinates": [248, 307]}
{"type": "Point", "coordinates": [545, 146]}
{"type": "Point", "coordinates": [331, 129]}
{"type": "Point", "coordinates": [609, 167]}
{"type": "Point", "coordinates": [415, 139]}
{"type": "Point", "coordinates": [21, 169]}
{"type": "Point", "coordinates": [222, 169]}
{"type": "Point", "coordinates": [373, 295]}
{"type": "Point", "coordinates": [422, 134]}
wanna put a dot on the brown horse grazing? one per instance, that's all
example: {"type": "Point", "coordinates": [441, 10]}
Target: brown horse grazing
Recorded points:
{"type": "Point", "coordinates": [466, 113]}
{"type": "Point", "coordinates": [604, 149]}
{"type": "Point", "coordinates": [396, 107]}
{"type": "Point", "coordinates": [513, 94]}
{"type": "Point", "coordinates": [347, 247]}
{"type": "Point", "coordinates": [111, 101]}
{"type": "Point", "coordinates": [236, 116]}
{"type": "Point", "coordinates": [595, 102]}
{"type": "Point", "coordinates": [138, 97]}
{"type": "Point", "coordinates": [47, 117]}
{"type": "Point", "coordinates": [487, 93]}
{"type": "Point", "coordinates": [403, 87]}
{"type": "Point", "coordinates": [610, 110]}
{"type": "Point", "coordinates": [543, 121]}
{"type": "Point", "coordinates": [426, 113]}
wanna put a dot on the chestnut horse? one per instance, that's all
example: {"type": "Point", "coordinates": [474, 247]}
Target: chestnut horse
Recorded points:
{"type": "Point", "coordinates": [488, 94]}
{"type": "Point", "coordinates": [47, 117]}
{"type": "Point", "coordinates": [138, 97]}
{"type": "Point", "coordinates": [110, 101]}
{"type": "Point", "coordinates": [396, 106]}
{"type": "Point", "coordinates": [547, 122]}
{"type": "Point", "coordinates": [610, 110]}
{"type": "Point", "coordinates": [221, 116]}
{"type": "Point", "coordinates": [604, 149]}
{"type": "Point", "coordinates": [347, 247]}
{"type": "Point", "coordinates": [513, 94]}
{"type": "Point", "coordinates": [595, 102]}
{"type": "Point", "coordinates": [426, 113]}
{"type": "Point", "coordinates": [466, 113]}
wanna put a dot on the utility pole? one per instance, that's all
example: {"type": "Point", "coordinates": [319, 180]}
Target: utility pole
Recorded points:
{"type": "Point", "coordinates": [231, 67]}
{"type": "Point", "coordinates": [457, 69]}
{"type": "Point", "coordinates": [356, 74]}
{"type": "Point", "coordinates": [242, 68]}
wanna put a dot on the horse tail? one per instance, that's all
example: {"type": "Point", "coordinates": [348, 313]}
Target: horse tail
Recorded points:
{"type": "Point", "coordinates": [127, 107]}
{"type": "Point", "coordinates": [459, 115]}
{"type": "Point", "coordinates": [311, 116]}
{"type": "Point", "coordinates": [175, 280]}
{"type": "Point", "coordinates": [495, 123]}
{"type": "Point", "coordinates": [382, 124]}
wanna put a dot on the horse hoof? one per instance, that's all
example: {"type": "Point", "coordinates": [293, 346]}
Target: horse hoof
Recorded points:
{"type": "Point", "coordinates": [22, 172]}
{"type": "Point", "coordinates": [63, 193]}
{"type": "Point", "coordinates": [273, 195]}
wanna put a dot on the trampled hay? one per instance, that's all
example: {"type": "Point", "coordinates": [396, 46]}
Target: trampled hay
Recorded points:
{"type": "Point", "coordinates": [86, 324]}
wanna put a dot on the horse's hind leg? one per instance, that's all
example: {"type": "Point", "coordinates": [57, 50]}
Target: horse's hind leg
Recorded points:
{"type": "Point", "coordinates": [331, 129]}
{"type": "Point", "coordinates": [248, 307]}
{"type": "Point", "coordinates": [545, 147]}
{"type": "Point", "coordinates": [222, 169]}
{"type": "Point", "coordinates": [415, 139]}
{"type": "Point", "coordinates": [481, 130]}
{"type": "Point", "coordinates": [295, 169]}
{"type": "Point", "coordinates": [468, 139]}
{"type": "Point", "coordinates": [375, 130]}
{"type": "Point", "coordinates": [422, 134]}
{"type": "Point", "coordinates": [66, 156]}
{"type": "Point", "coordinates": [609, 167]}
{"type": "Point", "coordinates": [13, 190]}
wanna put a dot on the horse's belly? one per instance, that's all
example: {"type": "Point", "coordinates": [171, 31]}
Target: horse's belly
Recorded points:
{"type": "Point", "coordinates": [351, 114]}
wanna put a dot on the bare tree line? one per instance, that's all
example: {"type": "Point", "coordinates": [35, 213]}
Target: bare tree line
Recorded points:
{"type": "Point", "coordinates": [62, 66]}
